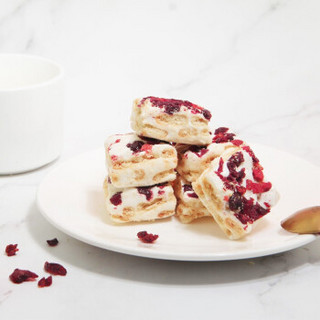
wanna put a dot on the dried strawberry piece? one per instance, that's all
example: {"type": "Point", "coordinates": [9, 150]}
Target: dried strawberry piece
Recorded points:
{"type": "Point", "coordinates": [55, 269]}
{"type": "Point", "coordinates": [258, 187]}
{"type": "Point", "coordinates": [45, 282]}
{"type": "Point", "coordinates": [237, 142]}
{"type": "Point", "coordinates": [11, 249]}
{"type": "Point", "coordinates": [19, 276]}
{"type": "Point", "coordinates": [257, 174]}
{"type": "Point", "coordinates": [146, 147]}
{"type": "Point", "coordinates": [146, 237]}
{"type": "Point", "coordinates": [53, 242]}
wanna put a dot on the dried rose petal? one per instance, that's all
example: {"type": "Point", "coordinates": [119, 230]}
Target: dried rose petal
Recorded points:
{"type": "Point", "coordinates": [53, 242]}
{"type": "Point", "coordinates": [146, 237]}
{"type": "Point", "coordinates": [45, 282]}
{"type": "Point", "coordinates": [55, 269]}
{"type": "Point", "coordinates": [19, 276]}
{"type": "Point", "coordinates": [11, 249]}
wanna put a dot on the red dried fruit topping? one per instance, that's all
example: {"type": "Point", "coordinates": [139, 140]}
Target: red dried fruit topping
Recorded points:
{"type": "Point", "coordinates": [171, 106]}
{"type": "Point", "coordinates": [221, 130]}
{"type": "Point", "coordinates": [114, 158]}
{"type": "Point", "coordinates": [117, 141]}
{"type": "Point", "coordinates": [250, 212]}
{"type": "Point", "coordinates": [187, 187]}
{"type": "Point", "coordinates": [237, 142]}
{"type": "Point", "coordinates": [160, 192]}
{"type": "Point", "coordinates": [19, 276]}
{"type": "Point", "coordinates": [245, 210]}
{"type": "Point", "coordinates": [11, 249]}
{"type": "Point", "coordinates": [235, 202]}
{"type": "Point", "coordinates": [190, 193]}
{"type": "Point", "coordinates": [258, 187]}
{"type": "Point", "coordinates": [146, 147]}
{"type": "Point", "coordinates": [199, 150]}
{"type": "Point", "coordinates": [53, 242]}
{"type": "Point", "coordinates": [45, 282]}
{"type": "Point", "coordinates": [116, 199]}
{"type": "Point", "coordinates": [146, 191]}
{"type": "Point", "coordinates": [251, 153]}
{"type": "Point", "coordinates": [257, 174]}
{"type": "Point", "coordinates": [221, 135]}
{"type": "Point", "coordinates": [135, 146]}
{"type": "Point", "coordinates": [55, 269]}
{"type": "Point", "coordinates": [146, 237]}
{"type": "Point", "coordinates": [220, 168]}
{"type": "Point", "coordinates": [232, 164]}
{"type": "Point", "coordinates": [240, 189]}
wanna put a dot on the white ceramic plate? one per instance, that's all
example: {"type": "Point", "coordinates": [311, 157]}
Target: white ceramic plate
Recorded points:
{"type": "Point", "coordinates": [71, 198]}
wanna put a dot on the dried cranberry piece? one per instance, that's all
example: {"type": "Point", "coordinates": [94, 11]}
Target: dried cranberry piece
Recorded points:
{"type": "Point", "coordinates": [251, 153]}
{"type": "Point", "coordinates": [221, 130]}
{"type": "Point", "coordinates": [222, 135]}
{"type": "Point", "coordinates": [11, 249]}
{"type": "Point", "coordinates": [192, 195]}
{"type": "Point", "coordinates": [45, 282]}
{"type": "Point", "coordinates": [53, 242]}
{"type": "Point", "coordinates": [19, 276]}
{"type": "Point", "coordinates": [187, 187]}
{"type": "Point", "coordinates": [207, 114]}
{"type": "Point", "coordinates": [171, 106]}
{"type": "Point", "coordinates": [235, 202]}
{"type": "Point", "coordinates": [142, 234]}
{"type": "Point", "coordinates": [55, 269]}
{"type": "Point", "coordinates": [135, 146]}
{"type": "Point", "coordinates": [146, 237]}
{"type": "Point", "coordinates": [232, 164]}
{"type": "Point", "coordinates": [116, 199]}
{"type": "Point", "coordinates": [199, 150]}
{"type": "Point", "coordinates": [236, 159]}
{"type": "Point", "coordinates": [146, 191]}
{"type": "Point", "coordinates": [250, 211]}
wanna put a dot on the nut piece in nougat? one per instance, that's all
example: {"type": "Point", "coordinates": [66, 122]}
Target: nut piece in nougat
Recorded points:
{"type": "Point", "coordinates": [138, 161]}
{"type": "Point", "coordinates": [235, 191]}
{"type": "Point", "coordinates": [139, 203]}
{"type": "Point", "coordinates": [189, 206]}
{"type": "Point", "coordinates": [171, 120]}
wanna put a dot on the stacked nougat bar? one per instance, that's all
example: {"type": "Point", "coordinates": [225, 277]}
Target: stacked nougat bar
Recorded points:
{"type": "Point", "coordinates": [139, 174]}
{"type": "Point", "coordinates": [173, 163]}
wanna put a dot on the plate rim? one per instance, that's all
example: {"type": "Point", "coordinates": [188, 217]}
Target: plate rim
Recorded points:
{"type": "Point", "coordinates": [296, 242]}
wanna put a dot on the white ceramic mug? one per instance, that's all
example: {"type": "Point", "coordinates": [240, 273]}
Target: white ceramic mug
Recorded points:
{"type": "Point", "coordinates": [31, 112]}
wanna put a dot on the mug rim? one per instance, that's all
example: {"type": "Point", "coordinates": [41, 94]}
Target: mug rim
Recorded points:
{"type": "Point", "coordinates": [55, 78]}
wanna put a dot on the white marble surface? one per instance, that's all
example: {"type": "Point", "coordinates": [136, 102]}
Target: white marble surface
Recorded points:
{"type": "Point", "coordinates": [255, 64]}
